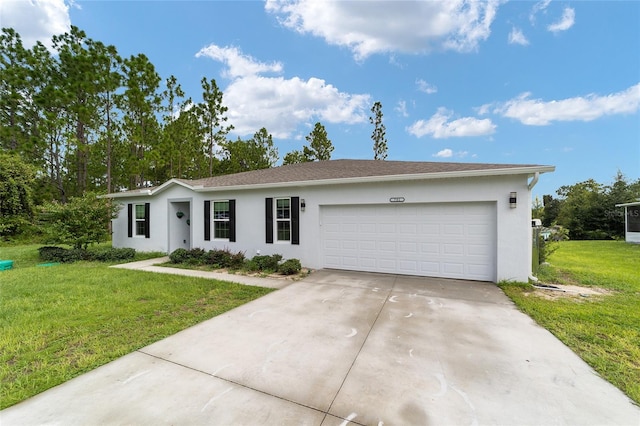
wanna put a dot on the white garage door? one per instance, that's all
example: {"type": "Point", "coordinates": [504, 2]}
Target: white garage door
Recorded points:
{"type": "Point", "coordinates": [451, 240]}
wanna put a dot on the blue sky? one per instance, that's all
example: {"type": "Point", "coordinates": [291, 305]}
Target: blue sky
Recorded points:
{"type": "Point", "coordinates": [548, 82]}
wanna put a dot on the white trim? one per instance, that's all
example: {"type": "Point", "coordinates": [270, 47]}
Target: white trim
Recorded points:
{"type": "Point", "coordinates": [635, 203]}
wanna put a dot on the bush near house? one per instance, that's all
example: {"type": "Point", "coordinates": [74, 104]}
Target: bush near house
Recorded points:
{"type": "Point", "coordinates": [225, 258]}
{"type": "Point", "coordinates": [63, 255]}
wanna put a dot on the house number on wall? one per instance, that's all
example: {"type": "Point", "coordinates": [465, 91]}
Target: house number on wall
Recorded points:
{"type": "Point", "coordinates": [396, 200]}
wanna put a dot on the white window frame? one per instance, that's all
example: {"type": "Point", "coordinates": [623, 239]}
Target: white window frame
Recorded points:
{"type": "Point", "coordinates": [220, 220]}
{"type": "Point", "coordinates": [137, 220]}
{"type": "Point", "coordinates": [279, 220]}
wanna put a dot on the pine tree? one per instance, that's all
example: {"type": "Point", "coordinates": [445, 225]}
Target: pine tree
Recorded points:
{"type": "Point", "coordinates": [379, 131]}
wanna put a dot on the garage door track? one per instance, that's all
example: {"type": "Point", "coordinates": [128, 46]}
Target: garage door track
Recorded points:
{"type": "Point", "coordinates": [341, 347]}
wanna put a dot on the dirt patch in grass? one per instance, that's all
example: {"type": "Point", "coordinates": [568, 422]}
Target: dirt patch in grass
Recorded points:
{"type": "Point", "coordinates": [567, 291]}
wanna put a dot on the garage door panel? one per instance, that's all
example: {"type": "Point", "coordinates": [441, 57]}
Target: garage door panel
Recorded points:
{"type": "Point", "coordinates": [456, 269]}
{"type": "Point", "coordinates": [430, 268]}
{"type": "Point", "coordinates": [387, 265]}
{"type": "Point", "coordinates": [455, 230]}
{"type": "Point", "coordinates": [453, 240]}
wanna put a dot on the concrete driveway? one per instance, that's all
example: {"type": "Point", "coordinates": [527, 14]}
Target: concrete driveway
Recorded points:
{"type": "Point", "coordinates": [337, 347]}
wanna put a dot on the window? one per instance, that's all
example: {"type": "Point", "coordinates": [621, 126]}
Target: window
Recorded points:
{"type": "Point", "coordinates": [283, 219]}
{"type": "Point", "coordinates": [138, 220]}
{"type": "Point", "coordinates": [141, 220]}
{"type": "Point", "coordinates": [221, 219]}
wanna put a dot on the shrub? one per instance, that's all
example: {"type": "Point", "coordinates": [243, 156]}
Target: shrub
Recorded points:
{"type": "Point", "coordinates": [63, 255]}
{"type": "Point", "coordinates": [196, 256]}
{"type": "Point", "coordinates": [236, 261]}
{"type": "Point", "coordinates": [51, 253]}
{"type": "Point", "coordinates": [179, 256]}
{"type": "Point", "coordinates": [59, 254]}
{"type": "Point", "coordinates": [112, 254]}
{"type": "Point", "coordinates": [218, 258]}
{"type": "Point", "coordinates": [224, 258]}
{"type": "Point", "coordinates": [265, 262]}
{"type": "Point", "coordinates": [290, 267]}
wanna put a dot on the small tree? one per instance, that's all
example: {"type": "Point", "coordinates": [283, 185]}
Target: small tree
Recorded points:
{"type": "Point", "coordinates": [379, 133]}
{"type": "Point", "coordinates": [16, 203]}
{"type": "Point", "coordinates": [80, 222]}
{"type": "Point", "coordinates": [294, 157]}
{"type": "Point", "coordinates": [320, 146]}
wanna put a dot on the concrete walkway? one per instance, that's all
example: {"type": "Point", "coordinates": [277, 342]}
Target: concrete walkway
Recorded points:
{"type": "Point", "coordinates": [344, 347]}
{"type": "Point", "coordinates": [149, 266]}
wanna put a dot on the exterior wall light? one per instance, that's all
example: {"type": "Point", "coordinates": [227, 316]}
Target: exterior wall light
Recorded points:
{"type": "Point", "coordinates": [303, 204]}
{"type": "Point", "coordinates": [513, 199]}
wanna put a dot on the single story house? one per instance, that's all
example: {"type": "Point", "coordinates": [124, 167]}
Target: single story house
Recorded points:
{"type": "Point", "coordinates": [452, 220]}
{"type": "Point", "coordinates": [631, 221]}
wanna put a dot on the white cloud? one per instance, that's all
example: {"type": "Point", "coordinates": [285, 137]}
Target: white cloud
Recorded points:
{"type": "Point", "coordinates": [279, 104]}
{"type": "Point", "coordinates": [566, 22]}
{"type": "Point", "coordinates": [425, 87]}
{"type": "Point", "coordinates": [536, 112]}
{"type": "Point", "coordinates": [370, 27]}
{"type": "Point", "coordinates": [401, 108]}
{"type": "Point", "coordinates": [36, 20]}
{"type": "Point", "coordinates": [448, 153]}
{"type": "Point", "coordinates": [541, 6]}
{"type": "Point", "coordinates": [517, 37]}
{"type": "Point", "coordinates": [239, 65]}
{"type": "Point", "coordinates": [439, 126]}
{"type": "Point", "coordinates": [445, 153]}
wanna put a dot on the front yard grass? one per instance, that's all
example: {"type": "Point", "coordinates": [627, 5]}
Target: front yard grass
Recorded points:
{"type": "Point", "coordinates": [60, 321]}
{"type": "Point", "coordinates": [603, 330]}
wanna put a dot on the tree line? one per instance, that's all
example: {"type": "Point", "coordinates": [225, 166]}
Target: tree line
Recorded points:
{"type": "Point", "coordinates": [587, 210]}
{"type": "Point", "coordinates": [88, 119]}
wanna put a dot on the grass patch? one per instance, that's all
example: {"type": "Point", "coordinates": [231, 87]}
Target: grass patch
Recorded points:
{"type": "Point", "coordinates": [59, 322]}
{"type": "Point", "coordinates": [604, 331]}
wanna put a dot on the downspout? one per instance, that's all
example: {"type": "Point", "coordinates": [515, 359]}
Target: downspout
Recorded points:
{"type": "Point", "coordinates": [533, 182]}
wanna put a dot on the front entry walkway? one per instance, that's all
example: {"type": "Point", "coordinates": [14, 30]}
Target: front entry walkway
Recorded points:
{"type": "Point", "coordinates": [340, 347]}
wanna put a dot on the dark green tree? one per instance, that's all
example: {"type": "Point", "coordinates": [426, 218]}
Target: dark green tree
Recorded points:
{"type": "Point", "coordinates": [320, 146]}
{"type": "Point", "coordinates": [76, 76]}
{"type": "Point", "coordinates": [16, 201]}
{"type": "Point", "coordinates": [80, 222]}
{"type": "Point", "coordinates": [140, 103]}
{"type": "Point", "coordinates": [379, 133]}
{"type": "Point", "coordinates": [213, 119]}
{"type": "Point", "coordinates": [256, 153]}
{"type": "Point", "coordinates": [294, 157]}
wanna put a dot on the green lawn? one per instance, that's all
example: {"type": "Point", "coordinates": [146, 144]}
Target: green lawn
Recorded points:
{"type": "Point", "coordinates": [603, 330]}
{"type": "Point", "coordinates": [60, 321]}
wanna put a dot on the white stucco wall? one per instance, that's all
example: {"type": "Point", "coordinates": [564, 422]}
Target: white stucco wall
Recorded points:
{"type": "Point", "coordinates": [632, 237]}
{"type": "Point", "coordinates": [513, 239]}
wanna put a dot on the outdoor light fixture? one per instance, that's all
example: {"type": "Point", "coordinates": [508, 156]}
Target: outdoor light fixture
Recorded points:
{"type": "Point", "coordinates": [513, 199]}
{"type": "Point", "coordinates": [303, 205]}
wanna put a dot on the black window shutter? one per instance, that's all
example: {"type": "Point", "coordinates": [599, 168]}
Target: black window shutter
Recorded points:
{"type": "Point", "coordinates": [268, 219]}
{"type": "Point", "coordinates": [130, 219]}
{"type": "Point", "coordinates": [207, 220]}
{"type": "Point", "coordinates": [147, 227]}
{"type": "Point", "coordinates": [232, 221]}
{"type": "Point", "coordinates": [295, 220]}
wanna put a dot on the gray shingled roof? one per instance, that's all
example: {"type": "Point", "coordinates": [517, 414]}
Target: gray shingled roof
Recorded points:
{"type": "Point", "coordinates": [336, 170]}
{"type": "Point", "coordinates": [341, 169]}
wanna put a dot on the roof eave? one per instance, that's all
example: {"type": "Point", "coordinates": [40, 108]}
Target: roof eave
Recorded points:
{"type": "Point", "coordinates": [145, 192]}
{"type": "Point", "coordinates": [634, 203]}
{"type": "Point", "coordinates": [528, 170]}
